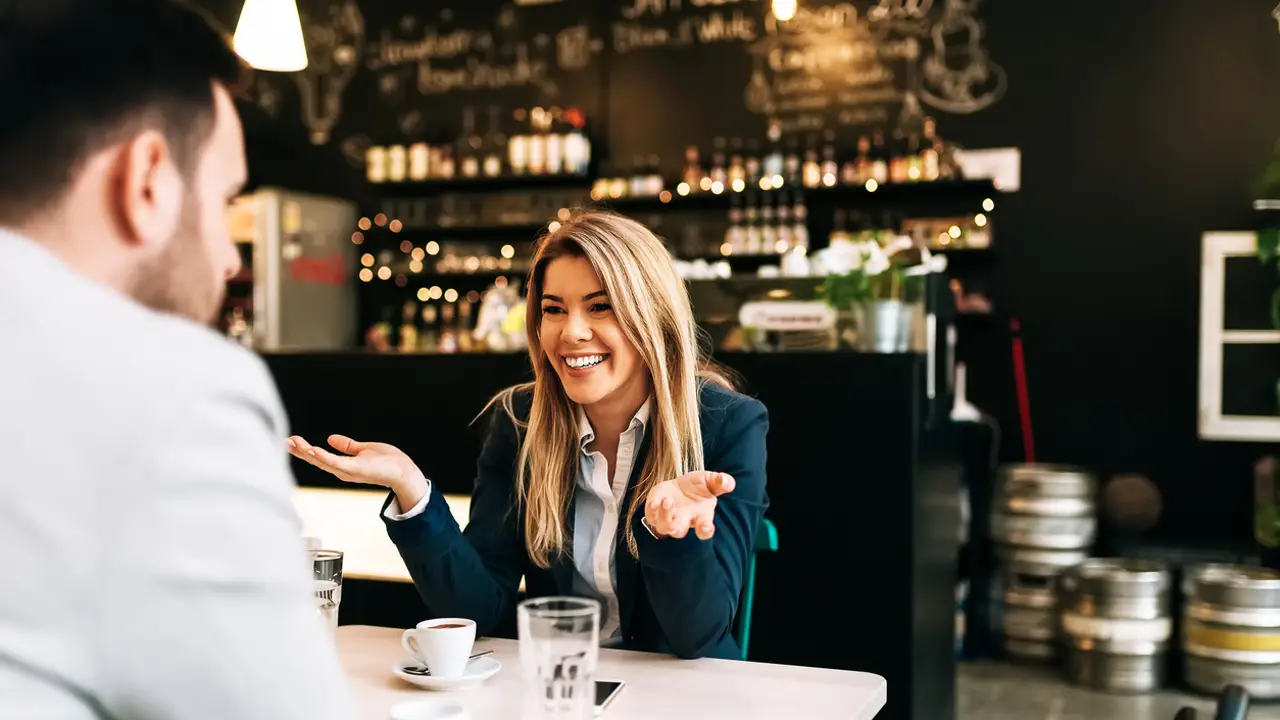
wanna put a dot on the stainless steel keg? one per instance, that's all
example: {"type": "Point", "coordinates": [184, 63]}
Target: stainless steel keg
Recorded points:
{"type": "Point", "coordinates": [1116, 623]}
{"type": "Point", "coordinates": [1231, 629]}
{"type": "Point", "coordinates": [1044, 506]}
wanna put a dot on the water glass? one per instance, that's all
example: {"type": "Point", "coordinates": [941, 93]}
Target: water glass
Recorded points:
{"type": "Point", "coordinates": [559, 648]}
{"type": "Point", "coordinates": [327, 584]}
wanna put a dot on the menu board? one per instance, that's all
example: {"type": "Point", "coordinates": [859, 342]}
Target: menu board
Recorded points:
{"type": "Point", "coordinates": [652, 76]}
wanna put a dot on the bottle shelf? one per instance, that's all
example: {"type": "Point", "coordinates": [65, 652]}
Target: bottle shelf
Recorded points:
{"type": "Point", "coordinates": [883, 194]}
{"type": "Point", "coordinates": [482, 184]}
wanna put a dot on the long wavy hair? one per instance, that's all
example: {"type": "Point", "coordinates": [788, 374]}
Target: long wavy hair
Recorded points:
{"type": "Point", "coordinates": [652, 306]}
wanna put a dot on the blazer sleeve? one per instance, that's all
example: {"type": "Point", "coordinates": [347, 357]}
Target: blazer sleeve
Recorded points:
{"type": "Point", "coordinates": [473, 573]}
{"type": "Point", "coordinates": [693, 585]}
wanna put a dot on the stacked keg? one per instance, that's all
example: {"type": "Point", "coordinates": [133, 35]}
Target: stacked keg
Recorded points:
{"type": "Point", "coordinates": [1043, 521]}
{"type": "Point", "coordinates": [1116, 623]}
{"type": "Point", "coordinates": [1231, 629]}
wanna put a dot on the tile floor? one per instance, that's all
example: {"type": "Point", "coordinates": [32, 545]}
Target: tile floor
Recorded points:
{"type": "Point", "coordinates": [993, 690]}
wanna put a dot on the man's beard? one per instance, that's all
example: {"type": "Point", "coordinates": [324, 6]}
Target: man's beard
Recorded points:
{"type": "Point", "coordinates": [180, 280]}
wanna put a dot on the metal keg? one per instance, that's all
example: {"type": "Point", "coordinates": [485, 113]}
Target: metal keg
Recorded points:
{"type": "Point", "coordinates": [1231, 629]}
{"type": "Point", "coordinates": [1029, 590]}
{"type": "Point", "coordinates": [1116, 623]}
{"type": "Point", "coordinates": [1044, 506]}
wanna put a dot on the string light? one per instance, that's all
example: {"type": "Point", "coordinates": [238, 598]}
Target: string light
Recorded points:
{"type": "Point", "coordinates": [784, 10]}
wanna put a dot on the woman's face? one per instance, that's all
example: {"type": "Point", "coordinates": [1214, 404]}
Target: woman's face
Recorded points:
{"type": "Point", "coordinates": [584, 342]}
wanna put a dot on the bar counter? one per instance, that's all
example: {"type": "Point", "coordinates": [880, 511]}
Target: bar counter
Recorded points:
{"type": "Point", "coordinates": [863, 473]}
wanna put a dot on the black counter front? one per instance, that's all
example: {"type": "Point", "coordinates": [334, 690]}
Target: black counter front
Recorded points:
{"type": "Point", "coordinates": [863, 492]}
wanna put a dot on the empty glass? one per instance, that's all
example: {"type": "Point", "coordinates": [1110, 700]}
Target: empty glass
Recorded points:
{"type": "Point", "coordinates": [559, 647]}
{"type": "Point", "coordinates": [327, 584]}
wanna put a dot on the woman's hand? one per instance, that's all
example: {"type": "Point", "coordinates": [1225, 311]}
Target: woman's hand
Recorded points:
{"type": "Point", "coordinates": [368, 463]}
{"type": "Point", "coordinates": [687, 503]}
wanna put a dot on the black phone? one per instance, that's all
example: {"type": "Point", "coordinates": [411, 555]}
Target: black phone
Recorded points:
{"type": "Point", "coordinates": [606, 691]}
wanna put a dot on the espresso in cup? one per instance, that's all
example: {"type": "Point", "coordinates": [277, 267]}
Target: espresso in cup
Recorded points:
{"type": "Point", "coordinates": [443, 645]}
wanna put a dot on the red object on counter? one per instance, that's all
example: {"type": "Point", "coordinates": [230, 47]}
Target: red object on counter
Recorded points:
{"type": "Point", "coordinates": [1024, 400]}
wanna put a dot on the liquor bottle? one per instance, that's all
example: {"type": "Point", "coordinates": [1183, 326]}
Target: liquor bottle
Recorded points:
{"type": "Point", "coordinates": [409, 328]}
{"type": "Point", "coordinates": [751, 166]}
{"type": "Point", "coordinates": [554, 140]}
{"type": "Point", "coordinates": [879, 158]}
{"type": "Point", "coordinates": [378, 337]}
{"type": "Point", "coordinates": [768, 231]}
{"type": "Point", "coordinates": [692, 175]}
{"type": "Point", "coordinates": [849, 169]}
{"type": "Point", "coordinates": [799, 228]}
{"type": "Point", "coordinates": [435, 155]}
{"type": "Point", "coordinates": [495, 144]}
{"type": "Point", "coordinates": [447, 166]}
{"type": "Point", "coordinates": [375, 164]}
{"type": "Point", "coordinates": [469, 144]}
{"type": "Point", "coordinates": [518, 145]}
{"type": "Point", "coordinates": [773, 163]}
{"type": "Point", "coordinates": [429, 337]}
{"type": "Point", "coordinates": [419, 161]}
{"type": "Point", "coordinates": [577, 145]}
{"type": "Point", "coordinates": [915, 162]}
{"type": "Point", "coordinates": [638, 177]}
{"type": "Point", "coordinates": [752, 239]}
{"type": "Point", "coordinates": [791, 162]}
{"type": "Point", "coordinates": [830, 168]}
{"type": "Point", "coordinates": [537, 142]}
{"type": "Point", "coordinates": [862, 163]}
{"type": "Point", "coordinates": [464, 328]}
{"type": "Point", "coordinates": [448, 329]}
{"type": "Point", "coordinates": [930, 168]}
{"type": "Point", "coordinates": [737, 171]}
{"type": "Point", "coordinates": [719, 170]}
{"type": "Point", "coordinates": [785, 235]}
{"type": "Point", "coordinates": [735, 235]}
{"type": "Point", "coordinates": [812, 170]}
{"type": "Point", "coordinates": [898, 158]}
{"type": "Point", "coordinates": [653, 176]}
{"type": "Point", "coordinates": [397, 163]}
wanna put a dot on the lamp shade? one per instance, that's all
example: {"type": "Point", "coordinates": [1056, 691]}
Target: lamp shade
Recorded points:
{"type": "Point", "coordinates": [269, 36]}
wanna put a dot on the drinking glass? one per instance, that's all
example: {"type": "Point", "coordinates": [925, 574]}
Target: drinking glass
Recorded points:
{"type": "Point", "coordinates": [559, 648]}
{"type": "Point", "coordinates": [327, 584]}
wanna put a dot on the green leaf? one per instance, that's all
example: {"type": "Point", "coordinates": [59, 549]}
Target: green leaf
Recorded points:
{"type": "Point", "coordinates": [1268, 244]}
{"type": "Point", "coordinates": [1275, 309]}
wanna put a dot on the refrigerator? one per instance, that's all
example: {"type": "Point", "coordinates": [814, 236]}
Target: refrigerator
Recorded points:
{"type": "Point", "coordinates": [297, 292]}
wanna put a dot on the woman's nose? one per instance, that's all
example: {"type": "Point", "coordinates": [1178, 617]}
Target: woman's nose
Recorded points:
{"type": "Point", "coordinates": [576, 328]}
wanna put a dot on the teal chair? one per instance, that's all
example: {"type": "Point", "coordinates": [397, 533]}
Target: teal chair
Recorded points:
{"type": "Point", "coordinates": [766, 541]}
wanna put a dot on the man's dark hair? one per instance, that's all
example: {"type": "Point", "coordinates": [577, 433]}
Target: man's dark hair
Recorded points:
{"type": "Point", "coordinates": [77, 76]}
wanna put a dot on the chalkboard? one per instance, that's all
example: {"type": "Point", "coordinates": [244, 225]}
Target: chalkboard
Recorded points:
{"type": "Point", "coordinates": [651, 76]}
{"type": "Point", "coordinates": [396, 71]}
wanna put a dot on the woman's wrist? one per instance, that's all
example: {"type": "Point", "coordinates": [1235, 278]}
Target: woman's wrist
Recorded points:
{"type": "Point", "coordinates": [410, 490]}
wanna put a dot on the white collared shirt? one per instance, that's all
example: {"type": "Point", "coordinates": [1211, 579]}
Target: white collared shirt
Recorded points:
{"type": "Point", "coordinates": [597, 510]}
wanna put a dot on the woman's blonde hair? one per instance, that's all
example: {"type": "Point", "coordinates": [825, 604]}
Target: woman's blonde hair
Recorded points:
{"type": "Point", "coordinates": [652, 306]}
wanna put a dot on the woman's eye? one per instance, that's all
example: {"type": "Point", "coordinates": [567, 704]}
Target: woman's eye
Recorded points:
{"type": "Point", "coordinates": [600, 307]}
{"type": "Point", "coordinates": [552, 310]}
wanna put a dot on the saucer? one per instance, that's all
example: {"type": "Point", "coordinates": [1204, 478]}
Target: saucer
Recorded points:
{"type": "Point", "coordinates": [478, 671]}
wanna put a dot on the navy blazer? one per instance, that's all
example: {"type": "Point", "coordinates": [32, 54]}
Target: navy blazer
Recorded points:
{"type": "Point", "coordinates": [681, 597]}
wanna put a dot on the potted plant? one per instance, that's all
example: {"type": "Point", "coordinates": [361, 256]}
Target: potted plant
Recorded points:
{"type": "Point", "coordinates": [875, 289]}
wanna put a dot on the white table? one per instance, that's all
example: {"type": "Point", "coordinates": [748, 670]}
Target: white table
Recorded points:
{"type": "Point", "coordinates": [658, 686]}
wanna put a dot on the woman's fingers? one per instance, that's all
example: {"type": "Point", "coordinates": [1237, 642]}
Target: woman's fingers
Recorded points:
{"type": "Point", "coordinates": [335, 463]}
{"type": "Point", "coordinates": [344, 444]}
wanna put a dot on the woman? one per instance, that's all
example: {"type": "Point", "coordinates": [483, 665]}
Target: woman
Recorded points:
{"type": "Point", "coordinates": [627, 471]}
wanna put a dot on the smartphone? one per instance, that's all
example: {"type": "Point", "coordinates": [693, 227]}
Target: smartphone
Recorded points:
{"type": "Point", "coordinates": [606, 691]}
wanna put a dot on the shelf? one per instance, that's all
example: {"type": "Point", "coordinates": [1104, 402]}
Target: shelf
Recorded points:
{"type": "Point", "coordinates": [477, 232]}
{"type": "Point", "coordinates": [412, 188]}
{"type": "Point", "coordinates": [1250, 337]}
{"type": "Point", "coordinates": [884, 194]}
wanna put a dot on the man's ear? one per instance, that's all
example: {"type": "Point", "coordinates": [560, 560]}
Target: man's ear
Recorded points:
{"type": "Point", "coordinates": [149, 190]}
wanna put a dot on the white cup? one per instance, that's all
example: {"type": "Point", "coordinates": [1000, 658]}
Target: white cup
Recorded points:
{"type": "Point", "coordinates": [442, 644]}
{"type": "Point", "coordinates": [428, 710]}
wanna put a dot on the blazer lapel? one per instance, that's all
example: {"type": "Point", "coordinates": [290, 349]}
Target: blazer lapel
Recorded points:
{"type": "Point", "coordinates": [563, 568]}
{"type": "Point", "coordinates": [626, 567]}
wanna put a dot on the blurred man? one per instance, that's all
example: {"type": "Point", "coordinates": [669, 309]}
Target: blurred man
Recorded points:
{"type": "Point", "coordinates": [150, 554]}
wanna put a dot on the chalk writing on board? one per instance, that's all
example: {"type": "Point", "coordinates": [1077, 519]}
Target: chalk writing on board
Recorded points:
{"type": "Point", "coordinates": [334, 34]}
{"type": "Point", "coordinates": [714, 27]}
{"type": "Point", "coordinates": [959, 76]}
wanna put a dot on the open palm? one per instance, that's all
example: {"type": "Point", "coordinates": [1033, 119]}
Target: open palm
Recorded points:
{"type": "Point", "coordinates": [369, 463]}
{"type": "Point", "coordinates": [675, 507]}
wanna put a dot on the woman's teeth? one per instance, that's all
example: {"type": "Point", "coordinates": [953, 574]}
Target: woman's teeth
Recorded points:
{"type": "Point", "coordinates": [585, 361]}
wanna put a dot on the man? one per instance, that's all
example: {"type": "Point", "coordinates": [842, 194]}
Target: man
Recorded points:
{"type": "Point", "coordinates": [151, 559]}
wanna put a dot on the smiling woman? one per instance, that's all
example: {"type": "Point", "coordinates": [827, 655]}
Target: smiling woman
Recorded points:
{"type": "Point", "coordinates": [628, 471]}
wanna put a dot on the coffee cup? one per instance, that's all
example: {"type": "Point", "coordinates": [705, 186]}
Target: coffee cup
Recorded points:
{"type": "Point", "coordinates": [442, 644]}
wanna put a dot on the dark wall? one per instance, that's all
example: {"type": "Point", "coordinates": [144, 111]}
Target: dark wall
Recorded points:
{"type": "Point", "coordinates": [1142, 124]}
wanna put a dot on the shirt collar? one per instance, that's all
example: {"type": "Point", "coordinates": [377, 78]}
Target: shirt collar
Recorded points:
{"type": "Point", "coordinates": [586, 433]}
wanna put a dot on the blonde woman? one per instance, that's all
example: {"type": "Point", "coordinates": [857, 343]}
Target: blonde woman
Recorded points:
{"type": "Point", "coordinates": [627, 471]}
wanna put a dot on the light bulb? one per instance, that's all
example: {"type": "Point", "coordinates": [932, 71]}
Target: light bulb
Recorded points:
{"type": "Point", "coordinates": [784, 10]}
{"type": "Point", "coordinates": [269, 36]}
